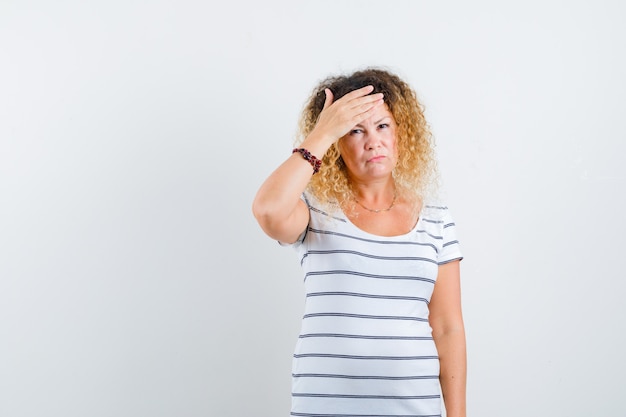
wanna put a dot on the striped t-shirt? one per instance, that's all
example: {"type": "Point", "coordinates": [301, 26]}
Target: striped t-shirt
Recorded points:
{"type": "Point", "coordinates": [365, 346]}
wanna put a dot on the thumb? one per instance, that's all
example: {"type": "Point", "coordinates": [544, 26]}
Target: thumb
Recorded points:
{"type": "Point", "coordinates": [329, 98]}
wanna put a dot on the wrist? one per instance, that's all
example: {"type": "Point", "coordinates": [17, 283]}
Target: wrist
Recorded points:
{"type": "Point", "coordinates": [318, 143]}
{"type": "Point", "coordinates": [315, 162]}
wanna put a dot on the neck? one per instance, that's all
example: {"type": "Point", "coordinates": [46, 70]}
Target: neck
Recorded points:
{"type": "Point", "coordinates": [376, 198]}
{"type": "Point", "coordinates": [373, 191]}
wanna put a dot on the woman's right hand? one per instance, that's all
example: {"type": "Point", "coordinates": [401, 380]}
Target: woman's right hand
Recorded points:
{"type": "Point", "coordinates": [339, 117]}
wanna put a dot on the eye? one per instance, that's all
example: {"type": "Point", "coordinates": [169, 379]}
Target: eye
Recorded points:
{"type": "Point", "coordinates": [383, 125]}
{"type": "Point", "coordinates": [356, 131]}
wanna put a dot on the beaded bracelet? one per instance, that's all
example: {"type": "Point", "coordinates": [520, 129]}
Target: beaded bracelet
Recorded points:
{"type": "Point", "coordinates": [315, 163]}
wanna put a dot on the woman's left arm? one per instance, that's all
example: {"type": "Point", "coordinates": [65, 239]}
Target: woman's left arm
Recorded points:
{"type": "Point", "coordinates": [446, 320]}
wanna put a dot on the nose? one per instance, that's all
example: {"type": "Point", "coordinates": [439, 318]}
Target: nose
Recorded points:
{"type": "Point", "coordinates": [372, 140]}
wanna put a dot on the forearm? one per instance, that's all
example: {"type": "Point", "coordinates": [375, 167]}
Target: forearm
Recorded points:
{"type": "Point", "coordinates": [278, 197]}
{"type": "Point", "coordinates": [453, 370]}
{"type": "Point", "coordinates": [280, 192]}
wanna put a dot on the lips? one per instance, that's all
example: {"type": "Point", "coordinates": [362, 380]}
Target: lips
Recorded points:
{"type": "Point", "coordinates": [376, 158]}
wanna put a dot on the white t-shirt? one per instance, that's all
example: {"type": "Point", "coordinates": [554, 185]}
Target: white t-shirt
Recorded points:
{"type": "Point", "coordinates": [365, 346]}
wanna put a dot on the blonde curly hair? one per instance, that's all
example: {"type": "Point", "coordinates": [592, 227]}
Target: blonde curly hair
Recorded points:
{"type": "Point", "coordinates": [415, 174]}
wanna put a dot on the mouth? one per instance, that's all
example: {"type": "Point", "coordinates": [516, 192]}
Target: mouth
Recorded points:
{"type": "Point", "coordinates": [376, 158]}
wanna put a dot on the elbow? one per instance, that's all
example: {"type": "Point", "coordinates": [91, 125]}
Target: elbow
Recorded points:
{"type": "Point", "coordinates": [256, 209]}
{"type": "Point", "coordinates": [261, 211]}
{"type": "Point", "coordinates": [265, 217]}
{"type": "Point", "coordinates": [447, 326]}
{"type": "Point", "coordinates": [282, 222]}
{"type": "Point", "coordinates": [453, 330]}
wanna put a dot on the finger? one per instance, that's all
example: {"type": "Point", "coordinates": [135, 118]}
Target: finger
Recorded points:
{"type": "Point", "coordinates": [329, 98]}
{"type": "Point", "coordinates": [359, 92]}
{"type": "Point", "coordinates": [367, 109]}
{"type": "Point", "coordinates": [366, 101]}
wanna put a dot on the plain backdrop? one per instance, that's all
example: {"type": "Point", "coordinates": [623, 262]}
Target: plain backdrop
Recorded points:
{"type": "Point", "coordinates": [134, 280]}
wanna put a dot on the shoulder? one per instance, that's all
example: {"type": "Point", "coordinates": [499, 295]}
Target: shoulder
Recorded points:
{"type": "Point", "coordinates": [323, 210]}
{"type": "Point", "coordinates": [438, 220]}
{"type": "Point", "coordinates": [435, 213]}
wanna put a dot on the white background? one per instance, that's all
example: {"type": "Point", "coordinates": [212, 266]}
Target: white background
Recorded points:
{"type": "Point", "coordinates": [134, 280]}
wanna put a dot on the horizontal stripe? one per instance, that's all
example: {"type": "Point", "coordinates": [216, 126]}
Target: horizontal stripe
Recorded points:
{"type": "Point", "coordinates": [388, 241]}
{"type": "Point", "coordinates": [367, 255]}
{"type": "Point", "coordinates": [363, 316]}
{"type": "Point", "coordinates": [448, 225]}
{"type": "Point", "coordinates": [375, 377]}
{"type": "Point", "coordinates": [362, 274]}
{"type": "Point", "coordinates": [355, 294]}
{"type": "Point", "coordinates": [367, 397]}
{"type": "Point", "coordinates": [362, 336]}
{"type": "Point", "coordinates": [358, 357]}
{"type": "Point", "coordinates": [452, 242]}
{"type": "Point", "coordinates": [432, 221]}
{"type": "Point", "coordinates": [315, 209]}
{"type": "Point", "coordinates": [450, 260]}
{"type": "Point", "coordinates": [431, 235]}
{"type": "Point", "coordinates": [437, 207]}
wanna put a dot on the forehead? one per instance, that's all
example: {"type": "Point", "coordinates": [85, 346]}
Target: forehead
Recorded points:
{"type": "Point", "coordinates": [380, 112]}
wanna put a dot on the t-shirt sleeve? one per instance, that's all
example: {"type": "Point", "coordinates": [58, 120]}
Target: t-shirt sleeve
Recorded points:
{"type": "Point", "coordinates": [295, 244]}
{"type": "Point", "coordinates": [450, 249]}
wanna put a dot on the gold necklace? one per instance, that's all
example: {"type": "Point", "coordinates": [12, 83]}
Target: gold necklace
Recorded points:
{"type": "Point", "coordinates": [378, 210]}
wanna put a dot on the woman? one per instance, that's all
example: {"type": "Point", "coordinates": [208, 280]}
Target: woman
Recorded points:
{"type": "Point", "coordinates": [382, 333]}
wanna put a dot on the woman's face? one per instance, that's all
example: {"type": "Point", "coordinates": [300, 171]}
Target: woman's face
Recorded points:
{"type": "Point", "coordinates": [369, 150]}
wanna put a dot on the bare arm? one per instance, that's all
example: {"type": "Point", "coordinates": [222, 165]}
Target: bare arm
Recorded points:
{"type": "Point", "coordinates": [277, 205]}
{"type": "Point", "coordinates": [446, 320]}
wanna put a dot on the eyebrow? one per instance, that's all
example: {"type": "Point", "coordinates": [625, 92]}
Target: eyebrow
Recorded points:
{"type": "Point", "coordinates": [386, 117]}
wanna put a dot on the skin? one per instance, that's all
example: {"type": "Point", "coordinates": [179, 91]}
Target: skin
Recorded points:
{"type": "Point", "coordinates": [366, 135]}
